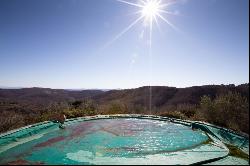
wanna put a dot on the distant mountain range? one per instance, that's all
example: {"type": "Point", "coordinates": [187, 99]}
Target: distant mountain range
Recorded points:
{"type": "Point", "coordinates": [104, 90]}
{"type": "Point", "coordinates": [168, 96]}
{"type": "Point", "coordinates": [161, 96]}
{"type": "Point", "coordinates": [7, 87]}
{"type": "Point", "coordinates": [24, 106]}
{"type": "Point", "coordinates": [44, 96]}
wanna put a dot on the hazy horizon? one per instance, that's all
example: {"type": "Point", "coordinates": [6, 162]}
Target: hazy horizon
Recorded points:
{"type": "Point", "coordinates": [75, 44]}
{"type": "Point", "coordinates": [18, 87]}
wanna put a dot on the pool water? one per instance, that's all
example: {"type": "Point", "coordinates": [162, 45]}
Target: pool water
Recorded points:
{"type": "Point", "coordinates": [99, 141]}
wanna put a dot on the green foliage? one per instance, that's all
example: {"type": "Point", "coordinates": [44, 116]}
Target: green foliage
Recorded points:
{"type": "Point", "coordinates": [137, 109]}
{"type": "Point", "coordinates": [80, 109]}
{"type": "Point", "coordinates": [71, 110]}
{"type": "Point", "coordinates": [229, 110]}
{"type": "Point", "coordinates": [173, 114]}
{"type": "Point", "coordinates": [187, 110]}
{"type": "Point", "coordinates": [181, 111]}
{"type": "Point", "coordinates": [116, 108]}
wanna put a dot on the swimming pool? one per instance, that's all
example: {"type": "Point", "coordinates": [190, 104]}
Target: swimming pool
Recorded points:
{"type": "Point", "coordinates": [110, 141]}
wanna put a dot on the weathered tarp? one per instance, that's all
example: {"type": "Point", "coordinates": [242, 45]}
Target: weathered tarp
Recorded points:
{"type": "Point", "coordinates": [121, 139]}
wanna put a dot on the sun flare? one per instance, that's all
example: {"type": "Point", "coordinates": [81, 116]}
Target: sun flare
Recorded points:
{"type": "Point", "coordinates": [151, 9]}
{"type": "Point", "coordinates": [150, 12]}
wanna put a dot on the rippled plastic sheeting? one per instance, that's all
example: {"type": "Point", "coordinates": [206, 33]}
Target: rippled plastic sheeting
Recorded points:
{"type": "Point", "coordinates": [230, 161]}
{"type": "Point", "coordinates": [28, 131]}
{"type": "Point", "coordinates": [225, 135]}
{"type": "Point", "coordinates": [36, 135]}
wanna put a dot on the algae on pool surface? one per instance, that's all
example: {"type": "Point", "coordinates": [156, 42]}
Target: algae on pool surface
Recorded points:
{"type": "Point", "coordinates": [111, 140]}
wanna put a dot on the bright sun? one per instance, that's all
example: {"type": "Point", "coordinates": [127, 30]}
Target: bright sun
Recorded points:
{"type": "Point", "coordinates": [151, 9]}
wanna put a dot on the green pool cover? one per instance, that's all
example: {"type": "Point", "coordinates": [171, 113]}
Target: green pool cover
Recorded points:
{"type": "Point", "coordinates": [123, 139]}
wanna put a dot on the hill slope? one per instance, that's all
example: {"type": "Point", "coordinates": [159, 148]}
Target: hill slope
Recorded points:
{"type": "Point", "coordinates": [168, 96]}
{"type": "Point", "coordinates": [19, 107]}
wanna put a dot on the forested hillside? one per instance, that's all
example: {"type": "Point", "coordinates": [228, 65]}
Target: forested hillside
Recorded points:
{"type": "Point", "coordinates": [224, 105]}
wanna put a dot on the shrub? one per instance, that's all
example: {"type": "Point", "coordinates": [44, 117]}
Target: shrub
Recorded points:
{"type": "Point", "coordinates": [10, 120]}
{"type": "Point", "coordinates": [115, 107]}
{"type": "Point", "coordinates": [187, 110]}
{"type": "Point", "coordinates": [173, 114]}
{"type": "Point", "coordinates": [229, 110]}
{"type": "Point", "coordinates": [80, 109]}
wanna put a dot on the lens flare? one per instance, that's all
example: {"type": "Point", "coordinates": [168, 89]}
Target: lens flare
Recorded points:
{"type": "Point", "coordinates": [151, 9]}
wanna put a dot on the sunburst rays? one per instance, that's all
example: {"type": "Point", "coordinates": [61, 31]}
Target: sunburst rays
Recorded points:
{"type": "Point", "coordinates": [150, 12]}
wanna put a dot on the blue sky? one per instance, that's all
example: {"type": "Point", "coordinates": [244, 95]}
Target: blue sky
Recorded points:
{"type": "Point", "coordinates": [66, 44]}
